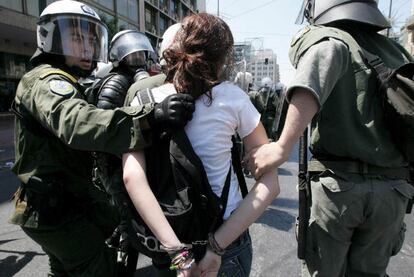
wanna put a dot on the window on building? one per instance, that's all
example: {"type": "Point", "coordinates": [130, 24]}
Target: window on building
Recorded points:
{"type": "Point", "coordinates": [186, 11]}
{"type": "Point", "coordinates": [33, 7]}
{"type": "Point", "coordinates": [109, 21]}
{"type": "Point", "coordinates": [122, 24]}
{"type": "Point", "coordinates": [14, 5]}
{"type": "Point", "coordinates": [163, 24]}
{"type": "Point", "coordinates": [128, 8]}
{"type": "Point", "coordinates": [193, 5]}
{"type": "Point", "coordinates": [150, 20]}
{"type": "Point", "coordinates": [107, 3]}
{"type": "Point", "coordinates": [174, 9]}
{"type": "Point", "coordinates": [164, 6]}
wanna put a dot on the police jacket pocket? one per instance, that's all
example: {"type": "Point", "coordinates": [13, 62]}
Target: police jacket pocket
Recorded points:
{"type": "Point", "coordinates": [334, 182]}
{"type": "Point", "coordinates": [405, 189]}
{"type": "Point", "coordinates": [48, 200]}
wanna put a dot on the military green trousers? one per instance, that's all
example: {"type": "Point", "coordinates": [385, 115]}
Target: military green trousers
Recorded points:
{"type": "Point", "coordinates": [356, 224]}
{"type": "Point", "coordinates": [76, 248]}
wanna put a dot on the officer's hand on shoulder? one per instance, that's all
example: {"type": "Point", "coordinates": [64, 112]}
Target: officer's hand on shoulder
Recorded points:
{"type": "Point", "coordinates": [173, 112]}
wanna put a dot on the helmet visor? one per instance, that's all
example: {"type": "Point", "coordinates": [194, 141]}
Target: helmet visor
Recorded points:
{"type": "Point", "coordinates": [127, 44]}
{"type": "Point", "coordinates": [76, 36]}
{"type": "Point", "coordinates": [135, 59]}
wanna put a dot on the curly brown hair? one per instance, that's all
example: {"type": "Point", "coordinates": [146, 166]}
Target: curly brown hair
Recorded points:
{"type": "Point", "coordinates": [201, 54]}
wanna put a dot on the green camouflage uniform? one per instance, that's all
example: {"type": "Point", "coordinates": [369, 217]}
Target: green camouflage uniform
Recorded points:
{"type": "Point", "coordinates": [266, 101]}
{"type": "Point", "coordinates": [57, 205]}
{"type": "Point", "coordinates": [360, 194]}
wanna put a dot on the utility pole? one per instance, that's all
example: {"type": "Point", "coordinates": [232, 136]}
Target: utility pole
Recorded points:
{"type": "Point", "coordinates": [218, 8]}
{"type": "Point", "coordinates": [389, 18]}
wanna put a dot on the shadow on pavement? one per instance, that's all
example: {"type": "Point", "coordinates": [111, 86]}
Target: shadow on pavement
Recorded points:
{"type": "Point", "coordinates": [6, 241]}
{"type": "Point", "coordinates": [278, 219]}
{"type": "Point", "coordinates": [12, 264]}
{"type": "Point", "coordinates": [286, 203]}
{"type": "Point", "coordinates": [283, 171]}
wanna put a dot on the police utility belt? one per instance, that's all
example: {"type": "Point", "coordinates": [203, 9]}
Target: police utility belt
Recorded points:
{"type": "Point", "coordinates": [358, 167]}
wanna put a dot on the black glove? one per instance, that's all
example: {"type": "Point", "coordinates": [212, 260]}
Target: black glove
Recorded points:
{"type": "Point", "coordinates": [172, 113]}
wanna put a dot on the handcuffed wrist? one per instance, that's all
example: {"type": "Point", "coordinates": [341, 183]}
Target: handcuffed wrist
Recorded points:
{"type": "Point", "coordinates": [175, 249]}
{"type": "Point", "coordinates": [214, 246]}
{"type": "Point", "coordinates": [182, 257]}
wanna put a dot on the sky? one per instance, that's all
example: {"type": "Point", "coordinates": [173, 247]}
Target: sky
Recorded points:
{"type": "Point", "coordinates": [271, 23]}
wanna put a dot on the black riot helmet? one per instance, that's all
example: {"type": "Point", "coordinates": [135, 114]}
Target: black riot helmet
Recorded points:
{"type": "Point", "coordinates": [325, 12]}
{"type": "Point", "coordinates": [130, 48]}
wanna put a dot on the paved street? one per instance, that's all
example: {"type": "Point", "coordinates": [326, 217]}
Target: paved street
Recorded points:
{"type": "Point", "coordinates": [273, 233]}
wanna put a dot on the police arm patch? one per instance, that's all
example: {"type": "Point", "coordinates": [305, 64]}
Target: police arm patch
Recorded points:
{"type": "Point", "coordinates": [61, 88]}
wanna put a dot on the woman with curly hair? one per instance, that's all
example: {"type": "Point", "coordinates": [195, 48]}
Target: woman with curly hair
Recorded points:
{"type": "Point", "coordinates": [198, 63]}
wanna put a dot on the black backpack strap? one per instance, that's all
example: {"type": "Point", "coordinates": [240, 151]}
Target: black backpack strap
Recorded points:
{"type": "Point", "coordinates": [382, 72]}
{"type": "Point", "coordinates": [235, 158]}
{"type": "Point", "coordinates": [184, 153]}
{"type": "Point", "coordinates": [194, 165]}
{"type": "Point", "coordinates": [225, 192]}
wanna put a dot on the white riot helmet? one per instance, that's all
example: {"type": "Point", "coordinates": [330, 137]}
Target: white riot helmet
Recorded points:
{"type": "Point", "coordinates": [130, 47]}
{"type": "Point", "coordinates": [279, 86]}
{"type": "Point", "coordinates": [71, 28]}
{"type": "Point", "coordinates": [243, 80]}
{"type": "Point", "coordinates": [266, 82]}
{"type": "Point", "coordinates": [167, 40]}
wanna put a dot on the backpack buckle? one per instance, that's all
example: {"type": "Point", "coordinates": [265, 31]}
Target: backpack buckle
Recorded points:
{"type": "Point", "coordinates": [151, 243]}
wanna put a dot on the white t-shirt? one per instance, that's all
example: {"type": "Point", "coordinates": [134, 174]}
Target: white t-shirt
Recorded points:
{"type": "Point", "coordinates": [210, 133]}
{"type": "Point", "coordinates": [211, 129]}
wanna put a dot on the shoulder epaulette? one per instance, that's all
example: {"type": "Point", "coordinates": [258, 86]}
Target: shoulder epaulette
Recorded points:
{"type": "Point", "coordinates": [311, 35]}
{"type": "Point", "coordinates": [58, 72]}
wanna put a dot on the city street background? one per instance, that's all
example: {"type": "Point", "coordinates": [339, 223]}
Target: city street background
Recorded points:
{"type": "Point", "coordinates": [273, 236]}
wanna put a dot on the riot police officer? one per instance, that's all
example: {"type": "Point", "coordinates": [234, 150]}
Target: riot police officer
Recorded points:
{"type": "Point", "coordinates": [56, 205]}
{"type": "Point", "coordinates": [129, 54]}
{"type": "Point", "coordinates": [266, 100]}
{"type": "Point", "coordinates": [359, 190]}
{"type": "Point", "coordinates": [156, 80]}
{"type": "Point", "coordinates": [244, 80]}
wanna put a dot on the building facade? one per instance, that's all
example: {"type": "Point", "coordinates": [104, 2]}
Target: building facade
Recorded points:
{"type": "Point", "coordinates": [262, 64]}
{"type": "Point", "coordinates": [18, 29]}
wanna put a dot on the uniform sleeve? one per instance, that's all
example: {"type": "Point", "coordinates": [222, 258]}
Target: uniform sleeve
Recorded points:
{"type": "Point", "coordinates": [320, 68]}
{"type": "Point", "coordinates": [248, 117]}
{"type": "Point", "coordinates": [80, 125]}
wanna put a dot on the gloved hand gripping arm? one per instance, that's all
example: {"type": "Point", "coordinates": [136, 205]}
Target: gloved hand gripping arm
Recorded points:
{"type": "Point", "coordinates": [172, 113]}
